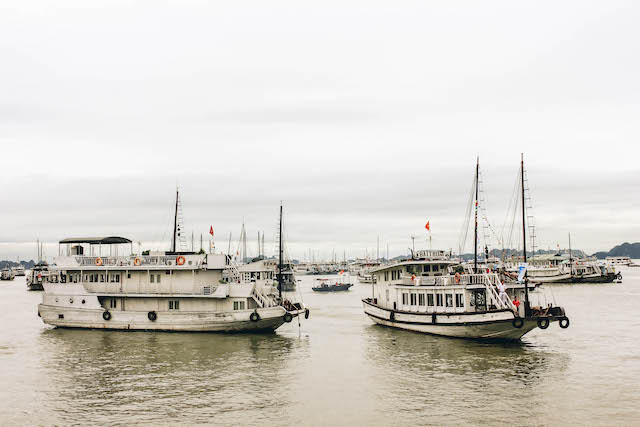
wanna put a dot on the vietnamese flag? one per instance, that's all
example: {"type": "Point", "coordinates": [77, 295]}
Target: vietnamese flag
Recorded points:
{"type": "Point", "coordinates": [427, 226]}
{"type": "Point", "coordinates": [211, 230]}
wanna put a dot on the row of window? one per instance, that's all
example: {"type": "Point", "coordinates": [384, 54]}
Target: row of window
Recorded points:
{"type": "Point", "coordinates": [411, 269]}
{"type": "Point", "coordinates": [257, 275]}
{"type": "Point", "coordinates": [440, 300]}
{"type": "Point", "coordinates": [99, 278]}
{"type": "Point", "coordinates": [173, 304]}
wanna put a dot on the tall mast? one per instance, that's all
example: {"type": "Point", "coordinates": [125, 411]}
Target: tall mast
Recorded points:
{"type": "Point", "coordinates": [570, 260]}
{"type": "Point", "coordinates": [280, 257]}
{"type": "Point", "coordinates": [175, 225]}
{"type": "Point", "coordinates": [475, 230]}
{"type": "Point", "coordinates": [524, 239]}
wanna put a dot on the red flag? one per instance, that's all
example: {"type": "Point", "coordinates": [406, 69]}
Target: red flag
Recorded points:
{"type": "Point", "coordinates": [211, 230]}
{"type": "Point", "coordinates": [427, 226]}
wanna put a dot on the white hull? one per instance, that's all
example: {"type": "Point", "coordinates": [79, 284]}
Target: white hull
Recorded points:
{"type": "Point", "coordinates": [270, 319]}
{"type": "Point", "coordinates": [490, 325]}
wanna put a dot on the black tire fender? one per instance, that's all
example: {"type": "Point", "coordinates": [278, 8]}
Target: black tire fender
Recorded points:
{"type": "Point", "coordinates": [392, 316]}
{"type": "Point", "coordinates": [106, 315]}
{"type": "Point", "coordinates": [306, 313]}
{"type": "Point", "coordinates": [254, 317]}
{"type": "Point", "coordinates": [152, 316]}
{"type": "Point", "coordinates": [288, 317]}
{"type": "Point", "coordinates": [543, 323]}
{"type": "Point", "coordinates": [434, 318]}
{"type": "Point", "coordinates": [566, 323]}
{"type": "Point", "coordinates": [517, 323]}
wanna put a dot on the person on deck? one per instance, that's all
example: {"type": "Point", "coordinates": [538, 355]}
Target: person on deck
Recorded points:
{"type": "Point", "coordinates": [502, 293]}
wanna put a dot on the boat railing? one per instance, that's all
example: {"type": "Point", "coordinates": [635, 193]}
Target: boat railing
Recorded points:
{"type": "Point", "coordinates": [491, 287]}
{"type": "Point", "coordinates": [135, 260]}
{"type": "Point", "coordinates": [262, 300]}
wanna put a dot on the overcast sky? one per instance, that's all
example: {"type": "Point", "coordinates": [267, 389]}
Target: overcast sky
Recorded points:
{"type": "Point", "coordinates": [364, 117]}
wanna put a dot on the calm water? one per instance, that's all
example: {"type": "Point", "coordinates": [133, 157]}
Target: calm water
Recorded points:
{"type": "Point", "coordinates": [336, 369]}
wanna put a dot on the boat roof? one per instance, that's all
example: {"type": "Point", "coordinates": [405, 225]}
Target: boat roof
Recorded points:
{"type": "Point", "coordinates": [96, 240]}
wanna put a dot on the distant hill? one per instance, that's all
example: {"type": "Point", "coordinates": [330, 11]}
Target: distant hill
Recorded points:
{"type": "Point", "coordinates": [514, 252]}
{"type": "Point", "coordinates": [632, 250]}
{"type": "Point", "coordinates": [26, 264]}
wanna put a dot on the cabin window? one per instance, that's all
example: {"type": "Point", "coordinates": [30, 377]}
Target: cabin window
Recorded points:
{"type": "Point", "coordinates": [386, 276]}
{"type": "Point", "coordinates": [413, 299]}
{"type": "Point", "coordinates": [113, 303]}
{"type": "Point", "coordinates": [427, 268]}
{"type": "Point", "coordinates": [152, 278]}
{"type": "Point", "coordinates": [430, 300]}
{"type": "Point", "coordinates": [420, 299]}
{"type": "Point", "coordinates": [459, 300]}
{"type": "Point", "coordinates": [174, 305]}
{"type": "Point", "coordinates": [159, 277]}
{"type": "Point", "coordinates": [102, 277]}
{"type": "Point", "coordinates": [238, 305]}
{"type": "Point", "coordinates": [91, 278]}
{"type": "Point", "coordinates": [405, 299]}
{"type": "Point", "coordinates": [409, 269]}
{"type": "Point", "coordinates": [128, 275]}
{"type": "Point", "coordinates": [167, 272]}
{"type": "Point", "coordinates": [86, 277]}
{"type": "Point", "coordinates": [436, 267]}
{"type": "Point", "coordinates": [449, 300]}
{"type": "Point", "coordinates": [439, 300]}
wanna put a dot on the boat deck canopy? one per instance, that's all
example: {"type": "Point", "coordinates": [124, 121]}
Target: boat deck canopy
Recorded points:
{"type": "Point", "coordinates": [96, 240]}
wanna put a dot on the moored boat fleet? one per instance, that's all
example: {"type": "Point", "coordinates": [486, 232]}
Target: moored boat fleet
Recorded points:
{"type": "Point", "coordinates": [104, 283]}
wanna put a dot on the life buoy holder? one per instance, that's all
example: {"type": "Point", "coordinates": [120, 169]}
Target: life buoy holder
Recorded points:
{"type": "Point", "coordinates": [98, 261]}
{"type": "Point", "coordinates": [288, 317]}
{"type": "Point", "coordinates": [180, 260]}
{"type": "Point", "coordinates": [457, 277]}
{"type": "Point", "coordinates": [106, 315]}
{"type": "Point", "coordinates": [254, 317]}
{"type": "Point", "coordinates": [517, 323]}
{"type": "Point", "coordinates": [564, 322]}
{"type": "Point", "coordinates": [137, 261]}
{"type": "Point", "coordinates": [152, 315]}
{"type": "Point", "coordinates": [543, 323]}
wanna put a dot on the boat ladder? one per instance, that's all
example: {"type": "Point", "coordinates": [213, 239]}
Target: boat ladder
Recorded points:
{"type": "Point", "coordinates": [491, 289]}
{"type": "Point", "coordinates": [260, 299]}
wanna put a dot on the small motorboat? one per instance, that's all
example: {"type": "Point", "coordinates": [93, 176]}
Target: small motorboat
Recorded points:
{"type": "Point", "coordinates": [325, 286]}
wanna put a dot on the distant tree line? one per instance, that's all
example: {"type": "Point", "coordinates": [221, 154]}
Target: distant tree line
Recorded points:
{"type": "Point", "coordinates": [26, 264]}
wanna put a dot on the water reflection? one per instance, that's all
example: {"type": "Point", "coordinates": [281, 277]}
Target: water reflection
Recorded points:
{"type": "Point", "coordinates": [453, 379]}
{"type": "Point", "coordinates": [105, 376]}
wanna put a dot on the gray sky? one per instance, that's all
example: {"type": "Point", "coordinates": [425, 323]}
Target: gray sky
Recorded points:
{"type": "Point", "coordinates": [364, 117]}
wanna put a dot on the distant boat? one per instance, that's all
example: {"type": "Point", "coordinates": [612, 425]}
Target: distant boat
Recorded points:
{"type": "Point", "coordinates": [325, 286]}
{"type": "Point", "coordinates": [7, 274]}
{"type": "Point", "coordinates": [18, 270]}
{"type": "Point", "coordinates": [619, 260]}
{"type": "Point", "coordinates": [37, 276]}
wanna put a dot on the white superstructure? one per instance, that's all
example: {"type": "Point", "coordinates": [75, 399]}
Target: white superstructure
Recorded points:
{"type": "Point", "coordinates": [175, 291]}
{"type": "Point", "coordinates": [425, 295]}
{"type": "Point", "coordinates": [619, 260]}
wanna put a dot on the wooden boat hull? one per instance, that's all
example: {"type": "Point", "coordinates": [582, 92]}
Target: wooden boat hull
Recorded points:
{"type": "Point", "coordinates": [494, 325]}
{"type": "Point", "coordinates": [334, 288]}
{"type": "Point", "coordinates": [271, 318]}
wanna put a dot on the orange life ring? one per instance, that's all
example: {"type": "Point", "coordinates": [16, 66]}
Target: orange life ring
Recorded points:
{"type": "Point", "coordinates": [457, 277]}
{"type": "Point", "coordinates": [137, 261]}
{"type": "Point", "coordinates": [98, 261]}
{"type": "Point", "coordinates": [180, 260]}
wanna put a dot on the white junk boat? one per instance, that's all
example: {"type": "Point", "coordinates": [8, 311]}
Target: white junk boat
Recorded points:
{"type": "Point", "coordinates": [623, 261]}
{"type": "Point", "coordinates": [421, 294]}
{"type": "Point", "coordinates": [170, 291]}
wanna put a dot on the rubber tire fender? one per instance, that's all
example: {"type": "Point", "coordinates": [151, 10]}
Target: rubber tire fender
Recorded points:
{"type": "Point", "coordinates": [288, 317]}
{"type": "Point", "coordinates": [543, 323]}
{"type": "Point", "coordinates": [254, 317]}
{"type": "Point", "coordinates": [517, 323]}
{"type": "Point", "coordinates": [392, 316]}
{"type": "Point", "coordinates": [106, 315]}
{"type": "Point", "coordinates": [306, 313]}
{"type": "Point", "coordinates": [152, 316]}
{"type": "Point", "coordinates": [564, 325]}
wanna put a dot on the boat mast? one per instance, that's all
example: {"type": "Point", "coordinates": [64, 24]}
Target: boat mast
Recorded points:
{"type": "Point", "coordinates": [524, 239]}
{"type": "Point", "coordinates": [475, 230]}
{"type": "Point", "coordinates": [570, 260]}
{"type": "Point", "coordinates": [175, 225]}
{"type": "Point", "coordinates": [280, 258]}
